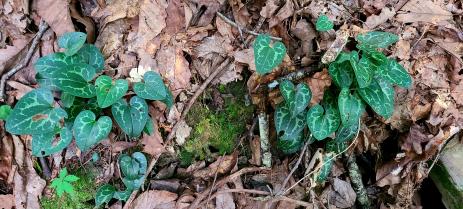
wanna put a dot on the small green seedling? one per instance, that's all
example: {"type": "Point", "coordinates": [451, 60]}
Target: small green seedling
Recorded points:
{"type": "Point", "coordinates": [323, 23]}
{"type": "Point", "coordinates": [62, 184]}
{"type": "Point", "coordinates": [133, 169]}
{"type": "Point", "coordinates": [75, 75]}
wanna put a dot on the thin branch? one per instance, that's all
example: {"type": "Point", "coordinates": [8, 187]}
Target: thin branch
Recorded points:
{"type": "Point", "coordinates": [215, 179]}
{"type": "Point", "coordinates": [295, 166]}
{"type": "Point", "coordinates": [42, 28]}
{"type": "Point", "coordinates": [224, 18]}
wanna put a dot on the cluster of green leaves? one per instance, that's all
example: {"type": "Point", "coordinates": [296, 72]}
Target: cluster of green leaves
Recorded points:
{"type": "Point", "coordinates": [216, 129]}
{"type": "Point", "coordinates": [75, 75]}
{"type": "Point", "coordinates": [133, 169]}
{"type": "Point", "coordinates": [63, 183]}
{"type": "Point", "coordinates": [363, 76]}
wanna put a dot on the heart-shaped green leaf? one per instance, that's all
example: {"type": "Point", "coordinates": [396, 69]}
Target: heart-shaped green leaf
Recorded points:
{"type": "Point", "coordinates": [88, 131]}
{"type": "Point", "coordinates": [91, 55]}
{"type": "Point", "coordinates": [323, 23]}
{"type": "Point", "coordinates": [131, 119]}
{"type": "Point", "coordinates": [72, 42]}
{"type": "Point", "coordinates": [296, 99]}
{"type": "Point", "coordinates": [153, 87]}
{"type": "Point", "coordinates": [361, 69]}
{"type": "Point", "coordinates": [347, 132]}
{"type": "Point", "coordinates": [42, 144]}
{"type": "Point", "coordinates": [341, 71]}
{"type": "Point", "coordinates": [377, 39]}
{"type": "Point", "coordinates": [75, 80]}
{"type": "Point", "coordinates": [5, 111]}
{"type": "Point", "coordinates": [123, 195]}
{"type": "Point", "coordinates": [380, 96]}
{"type": "Point", "coordinates": [34, 114]}
{"type": "Point", "coordinates": [325, 170]}
{"type": "Point", "coordinates": [133, 168]}
{"type": "Point", "coordinates": [350, 106]}
{"type": "Point", "coordinates": [107, 92]}
{"type": "Point", "coordinates": [80, 105]}
{"type": "Point", "coordinates": [149, 127]}
{"type": "Point", "coordinates": [49, 64]}
{"type": "Point", "coordinates": [67, 99]}
{"type": "Point", "coordinates": [287, 125]}
{"type": "Point", "coordinates": [287, 90]}
{"type": "Point", "coordinates": [323, 121]}
{"type": "Point", "coordinates": [267, 57]}
{"type": "Point", "coordinates": [104, 194]}
{"type": "Point", "coordinates": [396, 73]}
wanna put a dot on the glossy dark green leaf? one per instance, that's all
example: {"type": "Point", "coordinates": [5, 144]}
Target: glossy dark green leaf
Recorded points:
{"type": "Point", "coordinates": [152, 87]}
{"type": "Point", "coordinates": [323, 23]}
{"type": "Point", "coordinates": [75, 80]}
{"type": "Point", "coordinates": [67, 99]}
{"type": "Point", "coordinates": [267, 56]}
{"type": "Point", "coordinates": [34, 114]}
{"type": "Point", "coordinates": [377, 39]}
{"type": "Point", "coordinates": [396, 73]}
{"type": "Point", "coordinates": [346, 132]}
{"type": "Point", "coordinates": [122, 195]}
{"type": "Point", "coordinates": [43, 144]}
{"type": "Point", "coordinates": [350, 106]}
{"type": "Point", "coordinates": [91, 55]}
{"type": "Point", "coordinates": [5, 111]}
{"type": "Point", "coordinates": [131, 118]}
{"type": "Point", "coordinates": [72, 42]}
{"type": "Point", "coordinates": [325, 170]}
{"type": "Point", "coordinates": [380, 96]}
{"type": "Point", "coordinates": [80, 105]}
{"type": "Point", "coordinates": [149, 127]}
{"type": "Point", "coordinates": [301, 98]}
{"type": "Point", "coordinates": [341, 73]}
{"type": "Point", "coordinates": [169, 100]}
{"type": "Point", "coordinates": [108, 92]}
{"type": "Point", "coordinates": [104, 194]}
{"type": "Point", "coordinates": [287, 125]}
{"type": "Point", "coordinates": [48, 65]}
{"type": "Point", "coordinates": [133, 169]}
{"type": "Point", "coordinates": [287, 90]}
{"type": "Point", "coordinates": [88, 131]}
{"type": "Point", "coordinates": [323, 120]}
{"type": "Point", "coordinates": [291, 144]}
{"type": "Point", "coordinates": [336, 147]}
{"type": "Point", "coordinates": [362, 70]}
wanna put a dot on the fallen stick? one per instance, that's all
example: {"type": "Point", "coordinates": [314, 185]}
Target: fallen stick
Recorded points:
{"type": "Point", "coordinates": [264, 141]}
{"type": "Point", "coordinates": [224, 18]}
{"type": "Point", "coordinates": [42, 28]}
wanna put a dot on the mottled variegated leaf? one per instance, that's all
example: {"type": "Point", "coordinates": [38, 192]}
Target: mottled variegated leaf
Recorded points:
{"type": "Point", "coordinates": [152, 88]}
{"type": "Point", "coordinates": [291, 144]}
{"type": "Point", "coordinates": [75, 80]}
{"type": "Point", "coordinates": [67, 99]}
{"type": "Point", "coordinates": [104, 194]}
{"type": "Point", "coordinates": [81, 104]}
{"type": "Point", "coordinates": [108, 92]}
{"type": "Point", "coordinates": [131, 118]}
{"type": "Point", "coordinates": [396, 73]}
{"type": "Point", "coordinates": [325, 170]}
{"type": "Point", "coordinates": [91, 55]}
{"type": "Point", "coordinates": [49, 64]}
{"type": "Point", "coordinates": [380, 96]}
{"type": "Point", "coordinates": [287, 125]}
{"type": "Point", "coordinates": [34, 114]}
{"type": "Point", "coordinates": [350, 106]}
{"type": "Point", "coordinates": [346, 132]}
{"type": "Point", "coordinates": [362, 70]}
{"type": "Point", "coordinates": [122, 195]}
{"type": "Point", "coordinates": [334, 146]}
{"type": "Point", "coordinates": [72, 42]}
{"type": "Point", "coordinates": [301, 99]}
{"type": "Point", "coordinates": [323, 23]}
{"type": "Point", "coordinates": [133, 169]}
{"type": "Point", "coordinates": [266, 56]}
{"type": "Point", "coordinates": [88, 131]}
{"type": "Point", "coordinates": [287, 90]}
{"type": "Point", "coordinates": [377, 39]}
{"type": "Point", "coordinates": [341, 72]}
{"type": "Point", "coordinates": [42, 144]}
{"type": "Point", "coordinates": [323, 120]}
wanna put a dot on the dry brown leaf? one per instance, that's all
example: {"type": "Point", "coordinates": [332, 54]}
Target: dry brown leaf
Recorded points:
{"type": "Point", "coordinates": [17, 13]}
{"type": "Point", "coordinates": [374, 20]}
{"type": "Point", "coordinates": [286, 11]}
{"type": "Point", "coordinates": [10, 53]}
{"type": "Point", "coordinates": [173, 66]}
{"type": "Point", "coordinates": [155, 199]}
{"type": "Point", "coordinates": [255, 150]}
{"type": "Point", "coordinates": [28, 186]}
{"type": "Point", "coordinates": [56, 14]}
{"type": "Point", "coordinates": [224, 29]}
{"type": "Point", "coordinates": [153, 144]}
{"type": "Point", "coordinates": [306, 33]}
{"type": "Point", "coordinates": [318, 83]}
{"type": "Point", "coordinates": [7, 201]}
{"type": "Point", "coordinates": [213, 44]}
{"type": "Point", "coordinates": [423, 11]}
{"type": "Point", "coordinates": [175, 17]}
{"type": "Point", "coordinates": [183, 132]}
{"type": "Point", "coordinates": [402, 49]}
{"type": "Point", "coordinates": [246, 56]}
{"type": "Point", "coordinates": [269, 9]}
{"type": "Point", "coordinates": [343, 196]}
{"type": "Point", "coordinates": [21, 89]}
{"type": "Point", "coordinates": [118, 9]}
{"type": "Point", "coordinates": [224, 200]}
{"type": "Point", "coordinates": [212, 6]}
{"type": "Point", "coordinates": [221, 166]}
{"type": "Point", "coordinates": [110, 39]}
{"type": "Point", "coordinates": [6, 157]}
{"type": "Point", "coordinates": [240, 12]}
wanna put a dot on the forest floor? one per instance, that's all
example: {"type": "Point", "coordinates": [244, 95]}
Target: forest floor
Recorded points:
{"type": "Point", "coordinates": [209, 155]}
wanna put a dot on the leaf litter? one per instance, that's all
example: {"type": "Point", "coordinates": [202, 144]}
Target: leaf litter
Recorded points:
{"type": "Point", "coordinates": [185, 41]}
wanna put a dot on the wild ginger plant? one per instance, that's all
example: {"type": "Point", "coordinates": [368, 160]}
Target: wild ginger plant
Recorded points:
{"type": "Point", "coordinates": [75, 75]}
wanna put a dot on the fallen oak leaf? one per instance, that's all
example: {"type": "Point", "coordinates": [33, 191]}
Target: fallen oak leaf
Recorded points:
{"type": "Point", "coordinates": [222, 165]}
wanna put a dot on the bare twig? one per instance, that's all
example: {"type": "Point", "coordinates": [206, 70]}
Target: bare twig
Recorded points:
{"type": "Point", "coordinates": [224, 18]}
{"type": "Point", "coordinates": [264, 141]}
{"type": "Point", "coordinates": [295, 166]}
{"type": "Point", "coordinates": [42, 28]}
{"type": "Point", "coordinates": [215, 179]}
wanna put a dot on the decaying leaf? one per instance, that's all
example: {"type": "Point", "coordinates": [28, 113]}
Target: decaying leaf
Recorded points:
{"type": "Point", "coordinates": [155, 199]}
{"type": "Point", "coordinates": [343, 196]}
{"type": "Point", "coordinates": [423, 11]}
{"type": "Point", "coordinates": [375, 20]}
{"type": "Point", "coordinates": [56, 14]}
{"type": "Point", "coordinates": [318, 83]}
{"type": "Point", "coordinates": [221, 166]}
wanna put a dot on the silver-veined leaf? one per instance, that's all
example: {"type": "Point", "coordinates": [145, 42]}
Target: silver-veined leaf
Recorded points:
{"type": "Point", "coordinates": [42, 144]}
{"type": "Point", "coordinates": [380, 96]}
{"type": "Point", "coordinates": [72, 42]}
{"type": "Point", "coordinates": [108, 92]}
{"type": "Point", "coordinates": [88, 131]}
{"type": "Point", "coordinates": [350, 106]}
{"type": "Point", "coordinates": [395, 73]}
{"type": "Point", "coordinates": [75, 80]}
{"type": "Point", "coordinates": [377, 39]}
{"type": "Point", "coordinates": [151, 88]}
{"type": "Point", "coordinates": [323, 120]}
{"type": "Point", "coordinates": [267, 56]}
{"type": "Point", "coordinates": [131, 118]}
{"type": "Point", "coordinates": [104, 194]}
{"type": "Point", "coordinates": [91, 55]}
